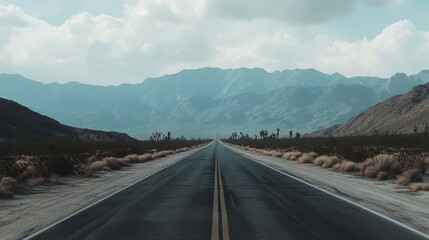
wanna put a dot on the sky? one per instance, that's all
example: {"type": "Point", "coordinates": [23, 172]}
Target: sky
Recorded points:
{"type": "Point", "coordinates": [112, 42]}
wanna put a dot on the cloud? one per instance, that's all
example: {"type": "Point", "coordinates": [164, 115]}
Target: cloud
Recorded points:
{"type": "Point", "coordinates": [164, 36]}
{"type": "Point", "coordinates": [400, 47]}
{"type": "Point", "coordinates": [296, 11]}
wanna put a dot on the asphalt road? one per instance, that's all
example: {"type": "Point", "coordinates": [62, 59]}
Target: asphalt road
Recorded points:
{"type": "Point", "coordinates": [252, 202]}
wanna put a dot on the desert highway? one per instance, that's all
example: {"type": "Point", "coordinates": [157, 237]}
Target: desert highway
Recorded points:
{"type": "Point", "coordinates": [217, 193]}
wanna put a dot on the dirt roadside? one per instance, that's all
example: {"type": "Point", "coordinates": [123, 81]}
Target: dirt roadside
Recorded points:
{"type": "Point", "coordinates": [385, 197]}
{"type": "Point", "coordinates": [35, 209]}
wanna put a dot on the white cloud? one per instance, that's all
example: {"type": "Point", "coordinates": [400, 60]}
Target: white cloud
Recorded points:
{"type": "Point", "coordinates": [164, 36]}
{"type": "Point", "coordinates": [401, 47]}
{"type": "Point", "coordinates": [297, 11]}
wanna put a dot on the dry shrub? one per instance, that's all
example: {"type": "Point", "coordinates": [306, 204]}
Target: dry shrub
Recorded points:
{"type": "Point", "coordinates": [107, 164]}
{"type": "Point", "coordinates": [113, 163]}
{"type": "Point", "coordinates": [24, 169]}
{"type": "Point", "coordinates": [381, 163]}
{"type": "Point", "coordinates": [412, 175]}
{"type": "Point", "coordinates": [347, 166]}
{"type": "Point", "coordinates": [381, 176]}
{"type": "Point", "coordinates": [159, 155]}
{"type": "Point", "coordinates": [133, 158]}
{"type": "Point", "coordinates": [307, 157]}
{"type": "Point", "coordinates": [330, 162]}
{"type": "Point", "coordinates": [265, 152]}
{"type": "Point", "coordinates": [34, 182]}
{"type": "Point", "coordinates": [184, 149]}
{"type": "Point", "coordinates": [275, 154]}
{"type": "Point", "coordinates": [92, 159]}
{"type": "Point", "coordinates": [370, 172]}
{"type": "Point", "coordinates": [326, 161]}
{"type": "Point", "coordinates": [169, 152]}
{"type": "Point", "coordinates": [145, 157]}
{"type": "Point", "coordinates": [8, 185]}
{"type": "Point", "coordinates": [292, 155]}
{"type": "Point", "coordinates": [162, 154]}
{"type": "Point", "coordinates": [420, 187]}
{"type": "Point", "coordinates": [99, 166]}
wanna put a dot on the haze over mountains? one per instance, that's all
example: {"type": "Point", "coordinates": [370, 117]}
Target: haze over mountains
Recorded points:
{"type": "Point", "coordinates": [19, 122]}
{"type": "Point", "coordinates": [399, 114]}
{"type": "Point", "coordinates": [198, 102]}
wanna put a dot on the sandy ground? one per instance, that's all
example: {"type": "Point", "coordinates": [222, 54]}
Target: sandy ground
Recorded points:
{"type": "Point", "coordinates": [385, 197]}
{"type": "Point", "coordinates": [35, 209]}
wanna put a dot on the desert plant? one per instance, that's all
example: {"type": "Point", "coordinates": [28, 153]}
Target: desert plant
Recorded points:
{"type": "Point", "coordinates": [326, 161]}
{"type": "Point", "coordinates": [292, 155]}
{"type": "Point", "coordinates": [420, 187]}
{"type": "Point", "coordinates": [7, 186]}
{"type": "Point", "coordinates": [412, 175]}
{"type": "Point", "coordinates": [347, 166]}
{"type": "Point", "coordinates": [307, 157]}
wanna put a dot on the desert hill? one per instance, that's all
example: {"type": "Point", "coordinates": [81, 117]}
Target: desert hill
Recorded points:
{"type": "Point", "coordinates": [18, 122]}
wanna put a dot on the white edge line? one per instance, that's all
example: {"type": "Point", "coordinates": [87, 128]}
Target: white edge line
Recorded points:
{"type": "Point", "coordinates": [337, 196]}
{"type": "Point", "coordinates": [110, 195]}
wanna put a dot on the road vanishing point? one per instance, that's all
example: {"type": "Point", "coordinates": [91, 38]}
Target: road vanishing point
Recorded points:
{"type": "Point", "coordinates": [217, 193]}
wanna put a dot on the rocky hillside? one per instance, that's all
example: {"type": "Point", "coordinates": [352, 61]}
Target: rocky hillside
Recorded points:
{"type": "Point", "coordinates": [19, 122]}
{"type": "Point", "coordinates": [399, 114]}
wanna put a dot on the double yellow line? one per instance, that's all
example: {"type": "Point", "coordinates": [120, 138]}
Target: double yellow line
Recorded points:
{"type": "Point", "coordinates": [217, 232]}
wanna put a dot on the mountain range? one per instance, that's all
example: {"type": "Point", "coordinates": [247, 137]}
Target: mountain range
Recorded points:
{"type": "Point", "coordinates": [404, 113]}
{"type": "Point", "coordinates": [197, 103]}
{"type": "Point", "coordinates": [19, 122]}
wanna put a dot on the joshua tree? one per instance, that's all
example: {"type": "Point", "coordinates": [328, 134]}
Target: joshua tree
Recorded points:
{"type": "Point", "coordinates": [290, 134]}
{"type": "Point", "coordinates": [278, 132]}
{"type": "Point", "coordinates": [168, 136]}
{"type": "Point", "coordinates": [264, 134]}
{"type": "Point", "coordinates": [298, 135]}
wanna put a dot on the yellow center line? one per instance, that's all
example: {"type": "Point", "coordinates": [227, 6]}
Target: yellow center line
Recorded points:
{"type": "Point", "coordinates": [215, 221]}
{"type": "Point", "coordinates": [225, 229]}
{"type": "Point", "coordinates": [218, 190]}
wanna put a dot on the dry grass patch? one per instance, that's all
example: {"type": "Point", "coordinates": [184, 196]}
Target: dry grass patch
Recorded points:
{"type": "Point", "coordinates": [133, 158]}
{"type": "Point", "coordinates": [184, 149]}
{"type": "Point", "coordinates": [145, 157]}
{"type": "Point", "coordinates": [291, 155]}
{"type": "Point", "coordinates": [326, 161]}
{"type": "Point", "coordinates": [8, 186]}
{"type": "Point", "coordinates": [387, 163]}
{"type": "Point", "coordinates": [32, 182]}
{"type": "Point", "coordinates": [420, 187]}
{"type": "Point", "coordinates": [347, 166]}
{"type": "Point", "coordinates": [412, 175]}
{"type": "Point", "coordinates": [159, 154]}
{"type": "Point", "coordinates": [107, 164]}
{"type": "Point", "coordinates": [275, 154]}
{"type": "Point", "coordinates": [381, 176]}
{"type": "Point", "coordinates": [307, 157]}
{"type": "Point", "coordinates": [162, 154]}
